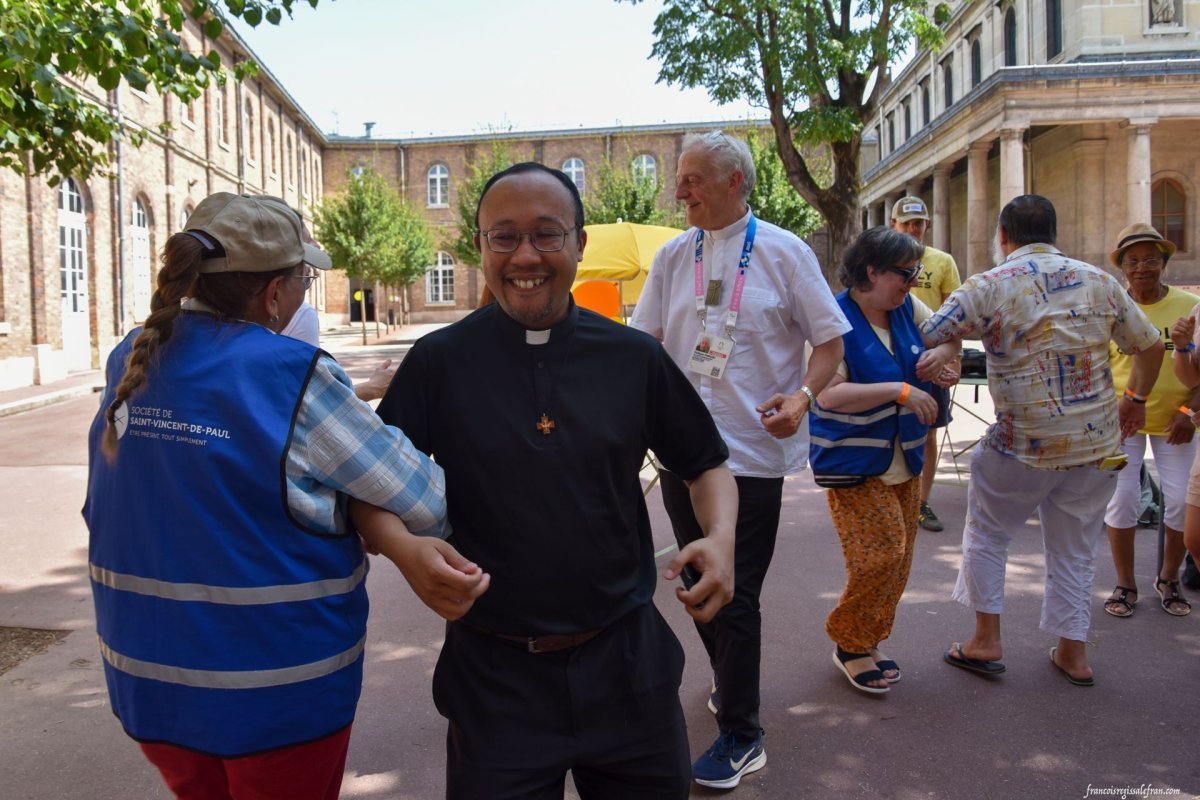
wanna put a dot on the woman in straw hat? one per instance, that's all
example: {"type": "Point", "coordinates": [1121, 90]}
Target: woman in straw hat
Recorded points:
{"type": "Point", "coordinates": [230, 599]}
{"type": "Point", "coordinates": [1142, 254]}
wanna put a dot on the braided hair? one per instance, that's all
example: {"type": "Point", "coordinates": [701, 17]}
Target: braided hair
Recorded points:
{"type": "Point", "coordinates": [228, 293]}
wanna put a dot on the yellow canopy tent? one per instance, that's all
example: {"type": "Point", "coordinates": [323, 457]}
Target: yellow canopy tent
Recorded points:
{"type": "Point", "coordinates": [622, 251]}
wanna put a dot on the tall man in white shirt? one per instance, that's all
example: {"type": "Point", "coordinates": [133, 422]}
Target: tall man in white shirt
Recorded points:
{"type": "Point", "coordinates": [734, 301]}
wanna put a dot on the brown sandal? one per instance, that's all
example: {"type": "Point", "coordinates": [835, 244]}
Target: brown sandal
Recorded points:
{"type": "Point", "coordinates": [1119, 604]}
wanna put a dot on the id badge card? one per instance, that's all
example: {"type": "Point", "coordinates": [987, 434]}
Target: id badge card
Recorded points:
{"type": "Point", "coordinates": [710, 356]}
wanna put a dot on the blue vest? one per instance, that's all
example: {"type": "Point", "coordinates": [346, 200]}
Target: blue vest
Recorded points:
{"type": "Point", "coordinates": [225, 626]}
{"type": "Point", "coordinates": [846, 447]}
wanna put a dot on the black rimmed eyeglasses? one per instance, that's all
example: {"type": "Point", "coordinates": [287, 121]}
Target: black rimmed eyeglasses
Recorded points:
{"type": "Point", "coordinates": [909, 275]}
{"type": "Point", "coordinates": [544, 240]}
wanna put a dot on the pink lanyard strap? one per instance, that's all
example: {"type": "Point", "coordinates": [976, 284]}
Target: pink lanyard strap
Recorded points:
{"type": "Point", "coordinates": [735, 302]}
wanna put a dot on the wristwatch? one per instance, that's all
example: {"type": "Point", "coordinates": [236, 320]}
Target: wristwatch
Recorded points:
{"type": "Point", "coordinates": [812, 399]}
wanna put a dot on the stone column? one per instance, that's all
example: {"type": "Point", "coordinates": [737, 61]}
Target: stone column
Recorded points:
{"type": "Point", "coordinates": [1012, 164]}
{"type": "Point", "coordinates": [980, 224]}
{"type": "Point", "coordinates": [1089, 203]}
{"type": "Point", "coordinates": [1137, 171]}
{"type": "Point", "coordinates": [941, 208]}
{"type": "Point", "coordinates": [889, 201]}
{"type": "Point", "coordinates": [912, 188]}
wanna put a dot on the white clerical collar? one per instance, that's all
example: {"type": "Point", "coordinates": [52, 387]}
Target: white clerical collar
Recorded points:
{"type": "Point", "coordinates": [736, 229]}
{"type": "Point", "coordinates": [537, 337]}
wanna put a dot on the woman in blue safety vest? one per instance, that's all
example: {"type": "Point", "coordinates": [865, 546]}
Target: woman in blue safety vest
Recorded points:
{"type": "Point", "coordinates": [230, 591]}
{"type": "Point", "coordinates": [867, 445]}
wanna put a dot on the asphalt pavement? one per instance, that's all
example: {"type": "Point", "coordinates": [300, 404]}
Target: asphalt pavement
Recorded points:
{"type": "Point", "coordinates": [940, 733]}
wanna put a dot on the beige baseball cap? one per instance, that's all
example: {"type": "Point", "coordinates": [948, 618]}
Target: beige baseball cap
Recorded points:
{"type": "Point", "coordinates": [244, 233]}
{"type": "Point", "coordinates": [907, 208]}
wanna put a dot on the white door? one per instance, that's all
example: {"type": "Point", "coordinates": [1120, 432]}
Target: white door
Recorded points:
{"type": "Point", "coordinates": [72, 266]}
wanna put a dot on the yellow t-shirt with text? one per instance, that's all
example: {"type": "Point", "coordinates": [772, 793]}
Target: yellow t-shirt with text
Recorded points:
{"type": "Point", "coordinates": [1168, 393]}
{"type": "Point", "coordinates": [939, 278]}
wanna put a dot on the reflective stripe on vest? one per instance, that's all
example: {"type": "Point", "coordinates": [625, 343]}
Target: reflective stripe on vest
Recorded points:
{"type": "Point", "coordinates": [229, 595]}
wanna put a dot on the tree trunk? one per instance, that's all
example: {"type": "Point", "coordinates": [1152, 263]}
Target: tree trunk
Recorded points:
{"type": "Point", "coordinates": [362, 313]}
{"type": "Point", "coordinates": [377, 334]}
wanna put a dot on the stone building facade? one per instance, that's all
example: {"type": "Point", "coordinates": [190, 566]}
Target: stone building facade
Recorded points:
{"type": "Point", "coordinates": [1093, 103]}
{"type": "Point", "coordinates": [78, 260]}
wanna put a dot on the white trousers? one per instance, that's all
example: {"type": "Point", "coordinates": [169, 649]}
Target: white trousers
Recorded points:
{"type": "Point", "coordinates": [1173, 462]}
{"type": "Point", "coordinates": [1001, 496]}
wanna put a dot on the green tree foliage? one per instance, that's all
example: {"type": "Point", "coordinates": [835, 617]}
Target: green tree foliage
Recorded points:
{"type": "Point", "coordinates": [370, 233]}
{"type": "Point", "coordinates": [59, 57]}
{"type": "Point", "coordinates": [819, 67]}
{"type": "Point", "coordinates": [773, 198]}
{"type": "Point", "coordinates": [461, 245]}
{"type": "Point", "coordinates": [615, 194]}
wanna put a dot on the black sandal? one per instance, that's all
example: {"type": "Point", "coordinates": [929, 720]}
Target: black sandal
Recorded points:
{"type": "Point", "coordinates": [1119, 604]}
{"type": "Point", "coordinates": [1171, 597]}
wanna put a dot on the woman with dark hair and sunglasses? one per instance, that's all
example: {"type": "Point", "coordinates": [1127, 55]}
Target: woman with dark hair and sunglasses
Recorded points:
{"type": "Point", "coordinates": [867, 445]}
{"type": "Point", "coordinates": [230, 591]}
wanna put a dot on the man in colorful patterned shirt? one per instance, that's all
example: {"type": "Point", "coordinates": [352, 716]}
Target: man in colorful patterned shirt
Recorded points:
{"type": "Point", "coordinates": [1046, 321]}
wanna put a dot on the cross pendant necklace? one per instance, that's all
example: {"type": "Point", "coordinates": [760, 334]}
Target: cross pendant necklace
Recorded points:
{"type": "Point", "coordinates": [546, 424]}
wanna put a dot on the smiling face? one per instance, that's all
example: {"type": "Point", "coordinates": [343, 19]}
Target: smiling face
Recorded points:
{"type": "Point", "coordinates": [1144, 279]}
{"type": "Point", "coordinates": [532, 287]}
{"type": "Point", "coordinates": [711, 196]}
{"type": "Point", "coordinates": [888, 288]}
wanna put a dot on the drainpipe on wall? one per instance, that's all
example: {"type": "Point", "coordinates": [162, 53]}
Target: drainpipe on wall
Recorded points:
{"type": "Point", "coordinates": [120, 211]}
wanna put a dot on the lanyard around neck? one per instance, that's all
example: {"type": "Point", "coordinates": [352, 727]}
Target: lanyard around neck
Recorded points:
{"type": "Point", "coordinates": [735, 302]}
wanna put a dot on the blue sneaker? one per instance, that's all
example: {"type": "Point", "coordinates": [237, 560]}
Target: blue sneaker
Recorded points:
{"type": "Point", "coordinates": [723, 765]}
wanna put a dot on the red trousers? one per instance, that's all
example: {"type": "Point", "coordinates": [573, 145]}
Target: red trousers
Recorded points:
{"type": "Point", "coordinates": [311, 771]}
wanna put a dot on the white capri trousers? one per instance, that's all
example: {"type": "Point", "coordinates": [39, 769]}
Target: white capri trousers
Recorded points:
{"type": "Point", "coordinates": [1001, 496]}
{"type": "Point", "coordinates": [1173, 462]}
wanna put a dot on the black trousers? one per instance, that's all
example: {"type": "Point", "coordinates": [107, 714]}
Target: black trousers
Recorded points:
{"type": "Point", "coordinates": [607, 710]}
{"type": "Point", "coordinates": [734, 637]}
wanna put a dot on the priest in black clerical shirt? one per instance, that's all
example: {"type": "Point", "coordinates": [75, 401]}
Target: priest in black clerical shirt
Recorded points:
{"type": "Point", "coordinates": [541, 414]}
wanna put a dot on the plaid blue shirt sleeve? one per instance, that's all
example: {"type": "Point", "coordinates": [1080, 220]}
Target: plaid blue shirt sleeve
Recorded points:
{"type": "Point", "coordinates": [341, 448]}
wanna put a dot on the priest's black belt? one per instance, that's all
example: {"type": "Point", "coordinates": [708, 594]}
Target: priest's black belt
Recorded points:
{"type": "Point", "coordinates": [546, 642]}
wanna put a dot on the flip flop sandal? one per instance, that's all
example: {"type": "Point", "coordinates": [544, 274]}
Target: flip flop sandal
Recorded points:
{"type": "Point", "coordinates": [862, 680]}
{"type": "Point", "coordinates": [1069, 676]}
{"type": "Point", "coordinates": [955, 657]}
{"type": "Point", "coordinates": [1173, 602]}
{"type": "Point", "coordinates": [1119, 605]}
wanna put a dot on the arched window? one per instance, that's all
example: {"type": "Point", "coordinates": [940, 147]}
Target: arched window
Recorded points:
{"type": "Point", "coordinates": [976, 63]}
{"type": "Point", "coordinates": [316, 178]}
{"type": "Point", "coordinates": [891, 132]}
{"type": "Point", "coordinates": [1054, 33]}
{"type": "Point", "coordinates": [288, 161]}
{"type": "Point", "coordinates": [271, 145]}
{"type": "Point", "coordinates": [948, 83]}
{"type": "Point", "coordinates": [1010, 38]}
{"type": "Point", "coordinates": [907, 120]}
{"type": "Point", "coordinates": [438, 180]}
{"type": "Point", "coordinates": [72, 252]}
{"type": "Point", "coordinates": [439, 281]}
{"type": "Point", "coordinates": [1168, 211]}
{"type": "Point", "coordinates": [925, 109]}
{"type": "Point", "coordinates": [645, 168]}
{"type": "Point", "coordinates": [140, 278]}
{"type": "Point", "coordinates": [573, 167]}
{"type": "Point", "coordinates": [303, 170]}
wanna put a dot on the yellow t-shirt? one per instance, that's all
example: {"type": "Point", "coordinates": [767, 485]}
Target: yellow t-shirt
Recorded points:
{"type": "Point", "coordinates": [939, 278]}
{"type": "Point", "coordinates": [1168, 394]}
